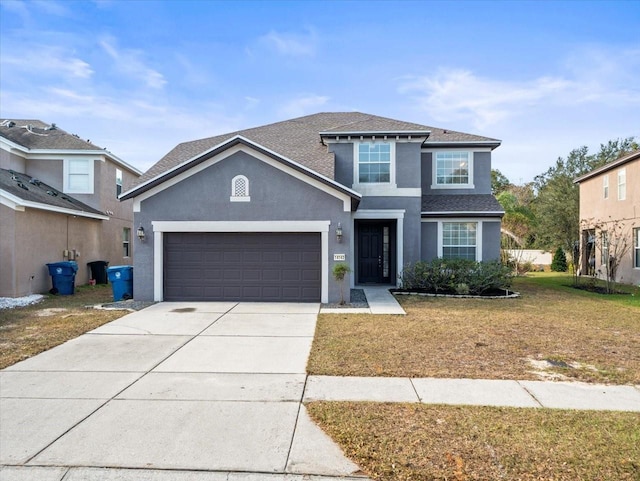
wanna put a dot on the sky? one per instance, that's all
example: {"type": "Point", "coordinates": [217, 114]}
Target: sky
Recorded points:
{"type": "Point", "coordinates": [139, 77]}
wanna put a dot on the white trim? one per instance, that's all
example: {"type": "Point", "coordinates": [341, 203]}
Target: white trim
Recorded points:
{"type": "Point", "coordinates": [622, 192]}
{"type": "Point", "coordinates": [90, 161]}
{"type": "Point", "coordinates": [240, 198]}
{"type": "Point", "coordinates": [465, 219]}
{"type": "Point", "coordinates": [381, 214]}
{"type": "Point", "coordinates": [160, 227]}
{"type": "Point", "coordinates": [371, 186]}
{"type": "Point", "coordinates": [18, 204]}
{"type": "Point", "coordinates": [437, 213]}
{"type": "Point", "coordinates": [386, 190]}
{"type": "Point", "coordinates": [476, 148]}
{"type": "Point", "coordinates": [434, 170]}
{"type": "Point", "coordinates": [249, 151]}
{"type": "Point", "coordinates": [605, 186]}
{"type": "Point", "coordinates": [346, 199]}
{"type": "Point", "coordinates": [461, 220]}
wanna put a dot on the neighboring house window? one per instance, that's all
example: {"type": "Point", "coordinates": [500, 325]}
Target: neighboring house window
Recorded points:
{"type": "Point", "coordinates": [240, 189]}
{"type": "Point", "coordinates": [374, 163]}
{"type": "Point", "coordinates": [118, 182]}
{"type": "Point", "coordinates": [453, 170]}
{"type": "Point", "coordinates": [459, 240]}
{"type": "Point", "coordinates": [126, 238]}
{"type": "Point", "coordinates": [636, 248]}
{"type": "Point", "coordinates": [604, 248]}
{"type": "Point", "coordinates": [605, 186]}
{"type": "Point", "coordinates": [78, 176]}
{"type": "Point", "coordinates": [622, 184]}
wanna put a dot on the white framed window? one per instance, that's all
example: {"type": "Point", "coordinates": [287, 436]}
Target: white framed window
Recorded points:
{"type": "Point", "coordinates": [452, 170]}
{"type": "Point", "coordinates": [636, 248]}
{"type": "Point", "coordinates": [622, 184]}
{"type": "Point", "coordinates": [375, 163]}
{"type": "Point", "coordinates": [460, 240]}
{"type": "Point", "coordinates": [118, 182]}
{"type": "Point", "coordinates": [240, 189]}
{"type": "Point", "coordinates": [604, 247]}
{"type": "Point", "coordinates": [78, 176]}
{"type": "Point", "coordinates": [605, 186]}
{"type": "Point", "coordinates": [126, 242]}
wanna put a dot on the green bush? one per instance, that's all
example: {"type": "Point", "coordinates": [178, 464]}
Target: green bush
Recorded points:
{"type": "Point", "coordinates": [456, 276]}
{"type": "Point", "coordinates": [559, 262]}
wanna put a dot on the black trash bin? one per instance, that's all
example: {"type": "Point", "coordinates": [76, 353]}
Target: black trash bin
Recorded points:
{"type": "Point", "coordinates": [98, 271]}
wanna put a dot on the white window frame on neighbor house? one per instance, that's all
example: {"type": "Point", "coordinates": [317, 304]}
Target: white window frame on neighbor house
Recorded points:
{"type": "Point", "coordinates": [439, 159]}
{"type": "Point", "coordinates": [392, 162]}
{"type": "Point", "coordinates": [240, 189]}
{"type": "Point", "coordinates": [636, 248]}
{"type": "Point", "coordinates": [77, 169]}
{"type": "Point", "coordinates": [126, 242]}
{"type": "Point", "coordinates": [622, 184]}
{"type": "Point", "coordinates": [478, 238]}
{"type": "Point", "coordinates": [605, 186]}
{"type": "Point", "coordinates": [118, 182]}
{"type": "Point", "coordinates": [604, 247]}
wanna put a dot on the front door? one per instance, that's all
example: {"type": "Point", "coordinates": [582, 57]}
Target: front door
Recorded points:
{"type": "Point", "coordinates": [374, 252]}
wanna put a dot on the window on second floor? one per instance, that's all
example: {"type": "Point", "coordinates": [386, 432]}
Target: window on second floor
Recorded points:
{"type": "Point", "coordinates": [78, 176]}
{"type": "Point", "coordinates": [118, 182]}
{"type": "Point", "coordinates": [452, 170]}
{"type": "Point", "coordinates": [374, 163]}
{"type": "Point", "coordinates": [605, 186]}
{"type": "Point", "coordinates": [622, 184]}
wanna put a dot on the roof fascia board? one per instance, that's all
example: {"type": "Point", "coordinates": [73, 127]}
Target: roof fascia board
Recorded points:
{"type": "Point", "coordinates": [21, 204]}
{"type": "Point", "coordinates": [368, 133]}
{"type": "Point", "coordinates": [229, 151]}
{"type": "Point", "coordinates": [229, 143]}
{"type": "Point", "coordinates": [433, 145]}
{"type": "Point", "coordinates": [482, 148]}
{"type": "Point", "coordinates": [478, 213]}
{"type": "Point", "coordinates": [463, 216]}
{"type": "Point", "coordinates": [611, 165]}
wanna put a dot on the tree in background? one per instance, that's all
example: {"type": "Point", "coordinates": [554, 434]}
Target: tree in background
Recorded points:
{"type": "Point", "coordinates": [499, 182]}
{"type": "Point", "coordinates": [559, 262]}
{"type": "Point", "coordinates": [556, 207]}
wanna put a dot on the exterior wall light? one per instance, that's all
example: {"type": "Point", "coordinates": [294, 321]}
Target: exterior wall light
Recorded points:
{"type": "Point", "coordinates": [339, 232]}
{"type": "Point", "coordinates": [140, 233]}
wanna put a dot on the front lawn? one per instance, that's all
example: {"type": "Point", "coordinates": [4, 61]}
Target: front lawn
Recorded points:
{"type": "Point", "coordinates": [551, 330]}
{"type": "Point", "coordinates": [27, 331]}
{"type": "Point", "coordinates": [401, 442]}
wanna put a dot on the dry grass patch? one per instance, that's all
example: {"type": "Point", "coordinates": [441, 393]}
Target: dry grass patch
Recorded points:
{"type": "Point", "coordinates": [417, 442]}
{"type": "Point", "coordinates": [587, 337]}
{"type": "Point", "coordinates": [27, 331]}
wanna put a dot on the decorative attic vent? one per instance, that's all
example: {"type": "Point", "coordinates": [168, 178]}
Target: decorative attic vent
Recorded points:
{"type": "Point", "coordinates": [240, 189]}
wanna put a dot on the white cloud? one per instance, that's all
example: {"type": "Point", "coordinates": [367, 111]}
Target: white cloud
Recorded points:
{"type": "Point", "coordinates": [128, 61]}
{"type": "Point", "coordinates": [291, 44]}
{"type": "Point", "coordinates": [303, 105]}
{"type": "Point", "coordinates": [50, 61]}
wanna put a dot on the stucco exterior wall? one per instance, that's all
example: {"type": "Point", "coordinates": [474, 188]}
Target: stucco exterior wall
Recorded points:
{"type": "Point", "coordinates": [10, 161]}
{"type": "Point", "coordinates": [204, 196]}
{"type": "Point", "coordinates": [481, 174]}
{"type": "Point", "coordinates": [595, 208]}
{"type": "Point", "coordinates": [490, 242]}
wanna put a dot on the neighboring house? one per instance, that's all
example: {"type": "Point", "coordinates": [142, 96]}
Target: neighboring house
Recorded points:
{"type": "Point", "coordinates": [58, 201]}
{"type": "Point", "coordinates": [263, 214]}
{"type": "Point", "coordinates": [609, 195]}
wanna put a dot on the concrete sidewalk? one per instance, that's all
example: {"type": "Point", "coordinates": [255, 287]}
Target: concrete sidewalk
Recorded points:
{"type": "Point", "coordinates": [380, 301]}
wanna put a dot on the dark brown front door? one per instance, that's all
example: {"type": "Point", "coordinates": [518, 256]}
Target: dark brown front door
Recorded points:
{"type": "Point", "coordinates": [374, 253]}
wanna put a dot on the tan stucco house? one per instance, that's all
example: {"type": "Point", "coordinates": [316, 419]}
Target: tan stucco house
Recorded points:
{"type": "Point", "coordinates": [611, 195]}
{"type": "Point", "coordinates": [58, 202]}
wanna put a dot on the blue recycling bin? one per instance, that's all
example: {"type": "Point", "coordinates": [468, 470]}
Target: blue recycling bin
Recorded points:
{"type": "Point", "coordinates": [63, 277]}
{"type": "Point", "coordinates": [121, 279]}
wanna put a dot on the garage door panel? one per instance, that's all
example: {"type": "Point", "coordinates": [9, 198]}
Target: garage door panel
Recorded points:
{"type": "Point", "coordinates": [242, 266]}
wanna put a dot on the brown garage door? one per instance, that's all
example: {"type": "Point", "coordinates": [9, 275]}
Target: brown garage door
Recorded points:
{"type": "Point", "coordinates": [242, 267]}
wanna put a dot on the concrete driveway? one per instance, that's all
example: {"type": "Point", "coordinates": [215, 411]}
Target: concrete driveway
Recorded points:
{"type": "Point", "coordinates": [199, 389]}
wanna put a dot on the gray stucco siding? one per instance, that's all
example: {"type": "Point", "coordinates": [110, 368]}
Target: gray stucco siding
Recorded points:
{"type": "Point", "coordinates": [407, 165]}
{"type": "Point", "coordinates": [343, 171]}
{"type": "Point", "coordinates": [205, 196]}
{"type": "Point", "coordinates": [481, 175]}
{"type": "Point", "coordinates": [491, 241]}
{"type": "Point", "coordinates": [429, 240]}
{"type": "Point", "coordinates": [490, 238]}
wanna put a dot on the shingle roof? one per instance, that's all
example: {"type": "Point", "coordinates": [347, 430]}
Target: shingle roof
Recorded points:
{"type": "Point", "coordinates": [29, 189]}
{"type": "Point", "coordinates": [611, 165]}
{"type": "Point", "coordinates": [35, 134]}
{"type": "Point", "coordinates": [299, 139]}
{"type": "Point", "coordinates": [434, 204]}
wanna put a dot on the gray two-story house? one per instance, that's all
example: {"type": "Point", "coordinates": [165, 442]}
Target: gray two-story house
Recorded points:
{"type": "Point", "coordinates": [264, 213]}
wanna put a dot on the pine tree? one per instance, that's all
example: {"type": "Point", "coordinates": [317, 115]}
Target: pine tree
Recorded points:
{"type": "Point", "coordinates": [559, 262]}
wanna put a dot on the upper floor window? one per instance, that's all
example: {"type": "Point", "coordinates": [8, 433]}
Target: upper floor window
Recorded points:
{"type": "Point", "coordinates": [240, 189]}
{"type": "Point", "coordinates": [636, 248]}
{"type": "Point", "coordinates": [118, 182]}
{"type": "Point", "coordinates": [622, 184]}
{"type": "Point", "coordinates": [605, 186]}
{"type": "Point", "coordinates": [453, 170]}
{"type": "Point", "coordinates": [459, 240]}
{"type": "Point", "coordinates": [374, 163]}
{"type": "Point", "coordinates": [78, 176]}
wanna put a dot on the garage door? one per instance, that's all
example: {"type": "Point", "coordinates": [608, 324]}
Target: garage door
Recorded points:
{"type": "Point", "coordinates": [242, 267]}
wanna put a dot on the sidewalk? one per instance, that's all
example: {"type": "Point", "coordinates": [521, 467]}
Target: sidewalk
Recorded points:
{"type": "Point", "coordinates": [380, 301]}
{"type": "Point", "coordinates": [477, 392]}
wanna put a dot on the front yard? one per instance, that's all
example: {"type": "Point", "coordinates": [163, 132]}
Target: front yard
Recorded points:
{"type": "Point", "coordinates": [550, 331]}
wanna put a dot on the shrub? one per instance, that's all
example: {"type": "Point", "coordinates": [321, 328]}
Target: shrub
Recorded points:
{"type": "Point", "coordinates": [559, 262]}
{"type": "Point", "coordinates": [456, 276]}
